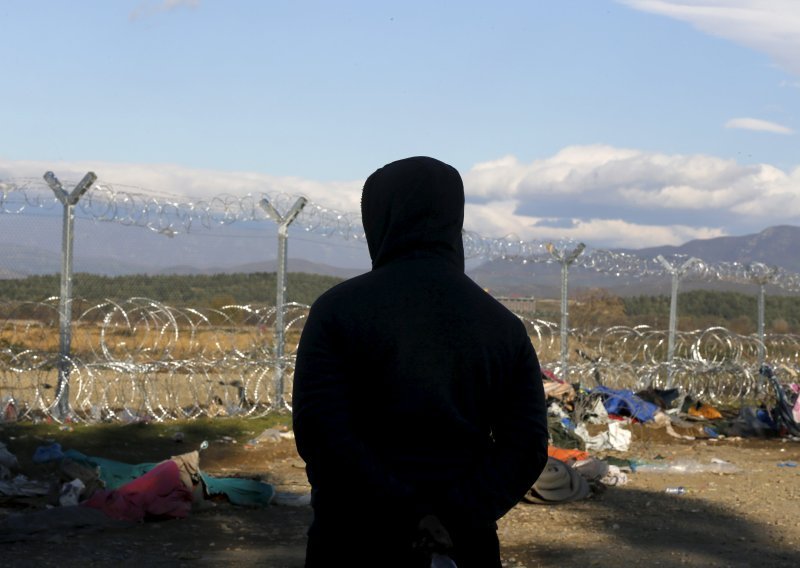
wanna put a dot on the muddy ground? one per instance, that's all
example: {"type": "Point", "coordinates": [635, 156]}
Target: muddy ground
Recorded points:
{"type": "Point", "coordinates": [750, 518]}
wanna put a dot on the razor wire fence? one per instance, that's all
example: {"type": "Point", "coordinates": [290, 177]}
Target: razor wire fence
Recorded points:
{"type": "Point", "coordinates": [143, 360]}
{"type": "Point", "coordinates": [135, 357]}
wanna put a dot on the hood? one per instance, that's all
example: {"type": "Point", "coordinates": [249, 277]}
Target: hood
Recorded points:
{"type": "Point", "coordinates": [414, 207]}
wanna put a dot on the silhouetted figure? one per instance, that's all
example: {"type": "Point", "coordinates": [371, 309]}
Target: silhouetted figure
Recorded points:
{"type": "Point", "coordinates": [418, 401]}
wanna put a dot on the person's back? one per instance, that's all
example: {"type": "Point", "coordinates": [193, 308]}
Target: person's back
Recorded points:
{"type": "Point", "coordinates": [415, 392]}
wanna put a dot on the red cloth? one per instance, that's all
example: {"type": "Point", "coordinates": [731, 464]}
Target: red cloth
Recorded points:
{"type": "Point", "coordinates": [158, 493]}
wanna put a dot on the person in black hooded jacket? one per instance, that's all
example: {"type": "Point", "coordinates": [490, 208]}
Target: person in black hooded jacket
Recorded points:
{"type": "Point", "coordinates": [418, 404]}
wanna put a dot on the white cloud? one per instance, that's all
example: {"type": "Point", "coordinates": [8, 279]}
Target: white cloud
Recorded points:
{"type": "Point", "coordinates": [771, 27]}
{"type": "Point", "coordinates": [604, 174]}
{"type": "Point", "coordinates": [610, 233]}
{"type": "Point", "coordinates": [778, 200]}
{"type": "Point", "coordinates": [602, 195]}
{"type": "Point", "coordinates": [758, 125]}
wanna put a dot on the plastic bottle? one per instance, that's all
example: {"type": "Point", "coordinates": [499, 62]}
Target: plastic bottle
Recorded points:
{"type": "Point", "coordinates": [675, 490]}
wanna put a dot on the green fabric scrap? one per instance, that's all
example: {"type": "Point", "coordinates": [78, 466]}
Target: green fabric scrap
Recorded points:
{"type": "Point", "coordinates": [113, 473]}
{"type": "Point", "coordinates": [239, 491]}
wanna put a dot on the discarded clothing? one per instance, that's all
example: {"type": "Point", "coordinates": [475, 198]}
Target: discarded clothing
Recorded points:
{"type": "Point", "coordinates": [558, 390]}
{"type": "Point", "coordinates": [45, 454]}
{"type": "Point", "coordinates": [566, 455]}
{"type": "Point", "coordinates": [159, 493]}
{"type": "Point", "coordinates": [703, 410]}
{"type": "Point", "coordinates": [616, 438]}
{"type": "Point", "coordinates": [239, 491]}
{"type": "Point", "coordinates": [562, 437]}
{"type": "Point", "coordinates": [557, 484]}
{"type": "Point", "coordinates": [663, 420]}
{"type": "Point", "coordinates": [113, 473]}
{"type": "Point", "coordinates": [614, 477]}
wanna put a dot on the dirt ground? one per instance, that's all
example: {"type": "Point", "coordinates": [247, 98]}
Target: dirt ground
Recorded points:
{"type": "Point", "coordinates": [750, 518]}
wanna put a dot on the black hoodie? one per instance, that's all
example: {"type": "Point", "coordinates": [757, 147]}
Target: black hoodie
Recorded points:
{"type": "Point", "coordinates": [415, 391]}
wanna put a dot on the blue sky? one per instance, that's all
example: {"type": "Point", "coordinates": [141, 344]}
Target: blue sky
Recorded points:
{"type": "Point", "coordinates": [619, 123]}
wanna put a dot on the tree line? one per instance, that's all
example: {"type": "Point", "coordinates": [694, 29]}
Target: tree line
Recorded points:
{"type": "Point", "coordinates": [706, 308]}
{"type": "Point", "coordinates": [594, 308]}
{"type": "Point", "coordinates": [193, 290]}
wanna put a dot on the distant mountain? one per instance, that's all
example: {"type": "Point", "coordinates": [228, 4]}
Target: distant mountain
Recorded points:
{"type": "Point", "coordinates": [774, 246]}
{"type": "Point", "coordinates": [18, 261]}
{"type": "Point", "coordinates": [293, 264]}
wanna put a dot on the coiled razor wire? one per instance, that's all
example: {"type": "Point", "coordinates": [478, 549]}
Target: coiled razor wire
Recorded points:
{"type": "Point", "coordinates": [713, 364]}
{"type": "Point", "coordinates": [127, 205]}
{"type": "Point", "coordinates": [143, 360]}
{"type": "Point", "coordinates": [170, 215]}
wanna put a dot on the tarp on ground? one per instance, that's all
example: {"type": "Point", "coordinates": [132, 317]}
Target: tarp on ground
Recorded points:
{"type": "Point", "coordinates": [625, 403]}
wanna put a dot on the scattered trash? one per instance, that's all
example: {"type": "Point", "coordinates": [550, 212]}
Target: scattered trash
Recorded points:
{"type": "Point", "coordinates": [9, 407]}
{"type": "Point", "coordinates": [44, 454]}
{"type": "Point", "coordinates": [616, 438]}
{"type": "Point", "coordinates": [704, 410]}
{"type": "Point", "coordinates": [7, 459]}
{"type": "Point", "coordinates": [614, 477]}
{"type": "Point", "coordinates": [558, 483]}
{"type": "Point", "coordinates": [271, 435]}
{"type": "Point", "coordinates": [71, 493]}
{"type": "Point", "coordinates": [21, 486]}
{"type": "Point", "coordinates": [685, 466]}
{"type": "Point", "coordinates": [787, 464]}
{"type": "Point", "coordinates": [675, 490]}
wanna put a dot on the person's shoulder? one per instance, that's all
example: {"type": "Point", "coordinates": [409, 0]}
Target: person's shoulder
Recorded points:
{"type": "Point", "coordinates": [489, 302]}
{"type": "Point", "coordinates": [342, 292]}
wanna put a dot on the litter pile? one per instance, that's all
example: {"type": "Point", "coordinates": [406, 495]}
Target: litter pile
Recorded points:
{"type": "Point", "coordinates": [596, 421]}
{"type": "Point", "coordinates": [590, 437]}
{"type": "Point", "coordinates": [83, 492]}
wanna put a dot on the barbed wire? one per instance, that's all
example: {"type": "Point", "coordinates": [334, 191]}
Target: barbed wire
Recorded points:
{"type": "Point", "coordinates": [171, 215]}
{"type": "Point", "coordinates": [713, 364]}
{"type": "Point", "coordinates": [141, 359]}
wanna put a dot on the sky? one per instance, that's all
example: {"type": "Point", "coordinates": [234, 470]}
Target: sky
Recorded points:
{"type": "Point", "coordinates": [619, 123]}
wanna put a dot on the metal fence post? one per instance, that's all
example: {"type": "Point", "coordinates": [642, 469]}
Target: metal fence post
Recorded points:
{"type": "Point", "coordinates": [762, 275]}
{"type": "Point", "coordinates": [565, 260]}
{"type": "Point", "coordinates": [280, 340]}
{"type": "Point", "coordinates": [677, 274]}
{"type": "Point", "coordinates": [68, 200]}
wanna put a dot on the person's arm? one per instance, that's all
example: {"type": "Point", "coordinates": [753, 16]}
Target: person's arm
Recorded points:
{"type": "Point", "coordinates": [323, 417]}
{"type": "Point", "coordinates": [519, 453]}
